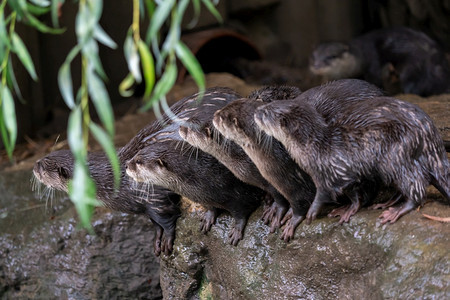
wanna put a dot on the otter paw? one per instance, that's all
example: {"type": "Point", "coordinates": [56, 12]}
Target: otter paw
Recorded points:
{"type": "Point", "coordinates": [235, 236]}
{"type": "Point", "coordinates": [209, 218]}
{"type": "Point", "coordinates": [167, 244]}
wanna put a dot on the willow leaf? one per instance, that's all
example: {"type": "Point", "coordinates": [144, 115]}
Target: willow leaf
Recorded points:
{"type": "Point", "coordinates": [21, 50]}
{"type": "Point", "coordinates": [132, 57]}
{"type": "Point", "coordinates": [9, 117]}
{"type": "Point", "coordinates": [148, 67]}
{"type": "Point", "coordinates": [75, 133]}
{"type": "Point", "coordinates": [107, 145]}
{"type": "Point", "coordinates": [191, 63]}
{"type": "Point", "coordinates": [125, 86]}
{"type": "Point", "coordinates": [12, 81]}
{"type": "Point", "coordinates": [164, 84]}
{"type": "Point", "coordinates": [159, 17]}
{"type": "Point", "coordinates": [82, 192]}
{"type": "Point", "coordinates": [194, 21]}
{"type": "Point", "coordinates": [42, 27]}
{"type": "Point", "coordinates": [101, 36]}
{"type": "Point", "coordinates": [100, 98]}
{"type": "Point", "coordinates": [37, 10]}
{"type": "Point", "coordinates": [212, 9]}
{"type": "Point", "coordinates": [4, 38]}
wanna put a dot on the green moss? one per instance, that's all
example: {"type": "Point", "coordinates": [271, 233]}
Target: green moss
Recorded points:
{"type": "Point", "coordinates": [205, 291]}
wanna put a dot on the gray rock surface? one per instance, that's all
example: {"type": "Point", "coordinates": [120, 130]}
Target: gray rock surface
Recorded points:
{"type": "Point", "coordinates": [359, 260]}
{"type": "Point", "coordinates": [43, 255]}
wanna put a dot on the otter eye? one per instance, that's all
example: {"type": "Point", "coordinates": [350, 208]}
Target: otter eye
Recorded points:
{"type": "Point", "coordinates": [63, 172]}
{"type": "Point", "coordinates": [161, 163]}
{"type": "Point", "coordinates": [208, 131]}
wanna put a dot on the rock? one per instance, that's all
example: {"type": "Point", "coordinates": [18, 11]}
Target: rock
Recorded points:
{"type": "Point", "coordinates": [358, 260]}
{"type": "Point", "coordinates": [43, 255]}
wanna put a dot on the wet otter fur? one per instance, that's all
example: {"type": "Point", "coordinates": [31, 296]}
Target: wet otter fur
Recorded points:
{"type": "Point", "coordinates": [159, 204]}
{"type": "Point", "coordinates": [391, 139]}
{"type": "Point", "coordinates": [202, 134]}
{"type": "Point", "coordinates": [235, 121]}
{"type": "Point", "coordinates": [418, 62]}
{"type": "Point", "coordinates": [169, 161]}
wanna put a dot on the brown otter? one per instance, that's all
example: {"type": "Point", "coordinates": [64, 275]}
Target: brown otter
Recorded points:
{"type": "Point", "coordinates": [169, 161]}
{"type": "Point", "coordinates": [202, 134]}
{"type": "Point", "coordinates": [159, 204]}
{"type": "Point", "coordinates": [419, 65]}
{"type": "Point", "coordinates": [391, 139]}
{"type": "Point", "coordinates": [235, 121]}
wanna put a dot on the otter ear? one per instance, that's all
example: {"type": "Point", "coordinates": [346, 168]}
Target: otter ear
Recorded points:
{"type": "Point", "coordinates": [235, 121]}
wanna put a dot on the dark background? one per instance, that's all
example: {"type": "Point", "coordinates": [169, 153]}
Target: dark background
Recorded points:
{"type": "Point", "coordinates": [284, 32]}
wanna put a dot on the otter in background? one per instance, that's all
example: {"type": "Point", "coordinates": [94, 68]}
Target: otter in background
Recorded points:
{"type": "Point", "coordinates": [398, 60]}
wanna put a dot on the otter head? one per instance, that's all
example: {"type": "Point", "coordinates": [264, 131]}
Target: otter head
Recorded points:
{"type": "Point", "coordinates": [273, 119]}
{"type": "Point", "coordinates": [235, 121]}
{"type": "Point", "coordinates": [270, 93]}
{"type": "Point", "coordinates": [55, 170]}
{"type": "Point", "coordinates": [334, 61]}
{"type": "Point", "coordinates": [196, 133]}
{"type": "Point", "coordinates": [149, 166]}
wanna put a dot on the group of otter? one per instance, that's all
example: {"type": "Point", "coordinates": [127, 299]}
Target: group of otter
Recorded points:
{"type": "Point", "coordinates": [338, 143]}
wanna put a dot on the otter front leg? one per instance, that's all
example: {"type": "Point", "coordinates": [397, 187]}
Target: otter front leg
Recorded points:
{"type": "Point", "coordinates": [209, 218]}
{"type": "Point", "coordinates": [322, 197]}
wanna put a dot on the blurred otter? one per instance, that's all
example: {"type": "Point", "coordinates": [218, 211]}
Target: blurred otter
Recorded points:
{"type": "Point", "coordinates": [398, 60]}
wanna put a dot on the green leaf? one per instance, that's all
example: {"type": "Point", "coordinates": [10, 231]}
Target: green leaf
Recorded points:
{"type": "Point", "coordinates": [108, 146]}
{"type": "Point", "coordinates": [41, 3]}
{"type": "Point", "coordinates": [82, 192]}
{"type": "Point", "coordinates": [56, 4]}
{"type": "Point", "coordinates": [4, 38]}
{"type": "Point", "coordinates": [21, 50]}
{"type": "Point", "coordinates": [84, 25]}
{"type": "Point", "coordinates": [148, 67]}
{"type": "Point", "coordinates": [101, 101]}
{"type": "Point", "coordinates": [9, 118]}
{"type": "Point", "coordinates": [97, 7]}
{"type": "Point", "coordinates": [164, 84]}
{"type": "Point", "coordinates": [65, 78]}
{"type": "Point", "coordinates": [194, 21]}
{"type": "Point", "coordinates": [101, 36]}
{"type": "Point", "coordinates": [37, 10]}
{"type": "Point", "coordinates": [150, 7]}
{"type": "Point", "coordinates": [212, 9]}
{"type": "Point", "coordinates": [75, 133]}
{"type": "Point", "coordinates": [12, 80]}
{"type": "Point", "coordinates": [132, 57]}
{"type": "Point", "coordinates": [191, 63]}
{"type": "Point", "coordinates": [125, 86]}
{"type": "Point", "coordinates": [158, 18]}
{"type": "Point", "coordinates": [42, 27]}
{"type": "Point", "coordinates": [90, 50]}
